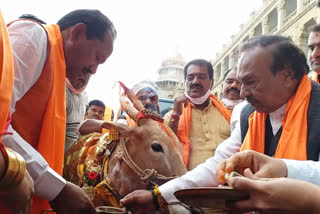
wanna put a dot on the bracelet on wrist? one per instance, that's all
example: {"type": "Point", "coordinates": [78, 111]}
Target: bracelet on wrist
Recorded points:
{"type": "Point", "coordinates": [174, 117]}
{"type": "Point", "coordinates": [5, 157]}
{"type": "Point", "coordinates": [158, 201]}
{"type": "Point", "coordinates": [155, 200]}
{"type": "Point", "coordinates": [15, 171]}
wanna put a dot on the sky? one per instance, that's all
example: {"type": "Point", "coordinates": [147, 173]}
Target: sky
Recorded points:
{"type": "Point", "coordinates": [149, 31]}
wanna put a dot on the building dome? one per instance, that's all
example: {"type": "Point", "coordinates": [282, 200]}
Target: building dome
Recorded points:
{"type": "Point", "coordinates": [170, 74]}
{"type": "Point", "coordinates": [174, 60]}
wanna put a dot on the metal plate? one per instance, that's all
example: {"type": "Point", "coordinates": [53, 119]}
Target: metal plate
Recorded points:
{"type": "Point", "coordinates": [209, 197]}
{"type": "Point", "coordinates": [107, 209]}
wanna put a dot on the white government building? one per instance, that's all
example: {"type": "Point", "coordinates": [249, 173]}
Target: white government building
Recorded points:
{"type": "Point", "coordinates": [291, 18]}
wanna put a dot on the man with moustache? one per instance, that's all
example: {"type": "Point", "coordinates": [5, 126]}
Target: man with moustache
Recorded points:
{"type": "Point", "coordinates": [231, 96]}
{"type": "Point", "coordinates": [199, 119]}
{"type": "Point", "coordinates": [281, 121]}
{"type": "Point", "coordinates": [231, 89]}
{"type": "Point", "coordinates": [44, 56]}
{"type": "Point", "coordinates": [147, 93]}
{"type": "Point", "coordinates": [314, 51]}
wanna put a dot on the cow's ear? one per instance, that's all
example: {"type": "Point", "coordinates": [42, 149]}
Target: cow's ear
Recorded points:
{"type": "Point", "coordinates": [123, 130]}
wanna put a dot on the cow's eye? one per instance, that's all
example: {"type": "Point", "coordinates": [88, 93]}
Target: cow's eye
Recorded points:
{"type": "Point", "coordinates": [157, 147]}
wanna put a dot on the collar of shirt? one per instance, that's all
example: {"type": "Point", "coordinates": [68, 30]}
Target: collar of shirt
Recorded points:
{"type": "Point", "coordinates": [276, 118]}
{"type": "Point", "coordinates": [194, 106]}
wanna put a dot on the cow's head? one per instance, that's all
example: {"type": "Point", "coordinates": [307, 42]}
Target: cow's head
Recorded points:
{"type": "Point", "coordinates": [151, 145]}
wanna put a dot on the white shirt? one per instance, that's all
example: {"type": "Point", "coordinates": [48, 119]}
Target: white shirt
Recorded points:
{"type": "Point", "coordinates": [304, 170]}
{"type": "Point", "coordinates": [204, 175]}
{"type": "Point", "coordinates": [236, 112]}
{"type": "Point", "coordinates": [29, 48]}
{"type": "Point", "coordinates": [75, 112]}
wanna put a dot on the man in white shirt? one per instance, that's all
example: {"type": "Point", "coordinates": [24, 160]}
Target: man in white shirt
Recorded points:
{"type": "Point", "coordinates": [76, 103]}
{"type": "Point", "coordinates": [231, 89]}
{"type": "Point", "coordinates": [265, 61]}
{"type": "Point", "coordinates": [75, 47]}
{"type": "Point", "coordinates": [231, 96]}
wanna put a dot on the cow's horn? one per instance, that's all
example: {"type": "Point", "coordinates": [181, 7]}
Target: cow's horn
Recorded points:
{"type": "Point", "coordinates": [127, 107]}
{"type": "Point", "coordinates": [136, 103]}
{"type": "Point", "coordinates": [132, 111]}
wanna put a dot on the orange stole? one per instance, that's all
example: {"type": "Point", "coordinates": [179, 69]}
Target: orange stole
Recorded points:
{"type": "Point", "coordinates": [54, 122]}
{"type": "Point", "coordinates": [6, 82]}
{"type": "Point", "coordinates": [315, 77]}
{"type": "Point", "coordinates": [185, 123]}
{"type": "Point", "coordinates": [42, 110]}
{"type": "Point", "coordinates": [293, 140]}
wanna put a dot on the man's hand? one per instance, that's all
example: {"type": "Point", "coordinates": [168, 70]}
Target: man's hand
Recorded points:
{"type": "Point", "coordinates": [179, 102]}
{"type": "Point", "coordinates": [139, 201]}
{"type": "Point", "coordinates": [253, 165]}
{"type": "Point", "coordinates": [277, 195]}
{"type": "Point", "coordinates": [72, 199]}
{"type": "Point", "coordinates": [19, 198]}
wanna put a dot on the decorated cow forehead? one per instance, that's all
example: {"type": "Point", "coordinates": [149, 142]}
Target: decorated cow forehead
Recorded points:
{"type": "Point", "coordinates": [148, 113]}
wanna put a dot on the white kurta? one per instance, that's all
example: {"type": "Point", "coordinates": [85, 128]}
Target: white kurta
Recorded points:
{"type": "Point", "coordinates": [204, 175]}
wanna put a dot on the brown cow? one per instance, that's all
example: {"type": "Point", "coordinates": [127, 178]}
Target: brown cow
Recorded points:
{"type": "Point", "coordinates": [126, 158]}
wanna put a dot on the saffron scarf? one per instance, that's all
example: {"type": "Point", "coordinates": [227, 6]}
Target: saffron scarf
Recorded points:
{"type": "Point", "coordinates": [6, 83]}
{"type": "Point", "coordinates": [52, 137]}
{"type": "Point", "coordinates": [6, 74]}
{"type": "Point", "coordinates": [185, 124]}
{"type": "Point", "coordinates": [293, 140]}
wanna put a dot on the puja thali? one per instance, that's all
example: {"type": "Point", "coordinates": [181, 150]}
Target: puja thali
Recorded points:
{"type": "Point", "coordinates": [209, 197]}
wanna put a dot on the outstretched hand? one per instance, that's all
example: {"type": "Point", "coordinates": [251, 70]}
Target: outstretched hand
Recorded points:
{"type": "Point", "coordinates": [275, 195]}
{"type": "Point", "coordinates": [139, 201]}
{"type": "Point", "coordinates": [253, 165]}
{"type": "Point", "coordinates": [72, 199]}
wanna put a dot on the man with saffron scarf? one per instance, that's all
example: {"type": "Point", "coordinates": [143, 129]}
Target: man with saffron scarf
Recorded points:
{"type": "Point", "coordinates": [282, 119]}
{"type": "Point", "coordinates": [199, 118]}
{"type": "Point", "coordinates": [43, 57]}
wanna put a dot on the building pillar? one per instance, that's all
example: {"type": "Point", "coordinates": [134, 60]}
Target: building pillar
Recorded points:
{"type": "Point", "coordinates": [251, 33]}
{"type": "Point", "coordinates": [265, 25]}
{"type": "Point", "coordinates": [300, 6]}
{"type": "Point", "coordinates": [281, 13]}
{"type": "Point", "coordinates": [223, 68]}
{"type": "Point", "coordinates": [231, 60]}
